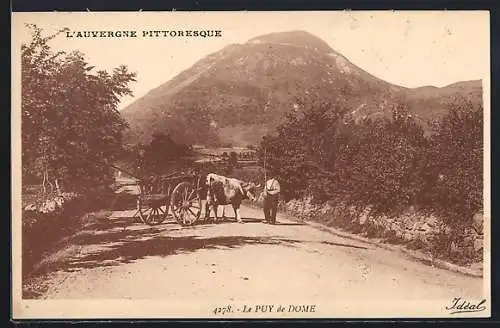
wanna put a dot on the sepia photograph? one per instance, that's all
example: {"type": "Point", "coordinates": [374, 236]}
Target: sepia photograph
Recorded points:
{"type": "Point", "coordinates": [221, 165]}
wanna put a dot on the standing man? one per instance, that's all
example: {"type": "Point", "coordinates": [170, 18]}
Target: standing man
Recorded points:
{"type": "Point", "coordinates": [271, 196]}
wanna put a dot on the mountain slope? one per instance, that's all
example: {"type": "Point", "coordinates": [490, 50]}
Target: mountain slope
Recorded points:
{"type": "Point", "coordinates": [243, 91]}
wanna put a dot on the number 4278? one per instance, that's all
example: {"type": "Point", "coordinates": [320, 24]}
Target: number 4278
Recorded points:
{"type": "Point", "coordinates": [223, 310]}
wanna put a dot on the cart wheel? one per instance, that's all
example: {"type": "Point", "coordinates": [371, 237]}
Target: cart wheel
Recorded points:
{"type": "Point", "coordinates": [185, 203]}
{"type": "Point", "coordinates": [152, 214]}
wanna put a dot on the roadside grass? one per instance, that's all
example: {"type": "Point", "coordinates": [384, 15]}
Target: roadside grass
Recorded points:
{"type": "Point", "coordinates": [49, 241]}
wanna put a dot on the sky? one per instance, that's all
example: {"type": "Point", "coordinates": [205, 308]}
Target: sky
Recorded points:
{"type": "Point", "coordinates": [410, 49]}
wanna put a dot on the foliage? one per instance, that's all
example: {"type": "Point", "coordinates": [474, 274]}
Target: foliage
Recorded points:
{"type": "Point", "coordinates": [377, 163]}
{"type": "Point", "coordinates": [71, 126]}
{"type": "Point", "coordinates": [453, 169]}
{"type": "Point", "coordinates": [389, 164]}
{"type": "Point", "coordinates": [155, 157]}
{"type": "Point", "coordinates": [302, 153]}
{"type": "Point", "coordinates": [233, 158]}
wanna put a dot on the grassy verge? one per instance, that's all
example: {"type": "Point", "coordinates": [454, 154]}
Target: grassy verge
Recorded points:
{"type": "Point", "coordinates": [57, 245]}
{"type": "Point", "coordinates": [47, 221]}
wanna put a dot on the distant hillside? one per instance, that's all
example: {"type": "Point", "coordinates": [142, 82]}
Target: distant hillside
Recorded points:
{"type": "Point", "coordinates": [239, 93]}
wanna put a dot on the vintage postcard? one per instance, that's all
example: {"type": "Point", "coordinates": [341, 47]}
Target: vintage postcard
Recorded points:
{"type": "Point", "coordinates": [330, 164]}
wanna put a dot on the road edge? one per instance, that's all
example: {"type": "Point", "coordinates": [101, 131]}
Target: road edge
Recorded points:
{"type": "Point", "coordinates": [420, 256]}
{"type": "Point", "coordinates": [414, 254]}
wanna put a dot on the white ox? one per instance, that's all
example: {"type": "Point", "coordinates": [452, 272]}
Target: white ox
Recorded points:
{"type": "Point", "coordinates": [227, 191]}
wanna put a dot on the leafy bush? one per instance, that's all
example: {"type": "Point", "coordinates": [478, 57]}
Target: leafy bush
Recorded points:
{"type": "Point", "coordinates": [386, 163]}
{"type": "Point", "coordinates": [155, 157]}
{"type": "Point", "coordinates": [46, 222]}
{"type": "Point", "coordinates": [453, 169]}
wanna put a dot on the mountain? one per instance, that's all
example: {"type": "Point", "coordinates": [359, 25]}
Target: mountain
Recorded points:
{"type": "Point", "coordinates": [243, 91]}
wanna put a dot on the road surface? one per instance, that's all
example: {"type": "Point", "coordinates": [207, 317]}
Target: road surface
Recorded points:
{"type": "Point", "coordinates": [117, 258]}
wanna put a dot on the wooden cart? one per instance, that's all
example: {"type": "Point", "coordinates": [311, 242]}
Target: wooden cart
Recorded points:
{"type": "Point", "coordinates": [178, 194]}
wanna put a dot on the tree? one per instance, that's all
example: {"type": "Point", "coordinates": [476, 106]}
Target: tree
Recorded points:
{"type": "Point", "coordinates": [454, 167]}
{"type": "Point", "coordinates": [71, 127]}
{"type": "Point", "coordinates": [233, 158]}
{"type": "Point", "coordinates": [302, 153]}
{"type": "Point", "coordinates": [322, 153]}
{"type": "Point", "coordinates": [161, 151]}
{"type": "Point", "coordinates": [379, 161]}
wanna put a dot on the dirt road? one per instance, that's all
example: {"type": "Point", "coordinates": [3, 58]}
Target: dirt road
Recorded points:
{"type": "Point", "coordinates": [117, 258]}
